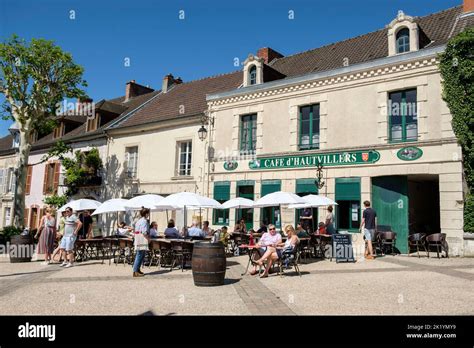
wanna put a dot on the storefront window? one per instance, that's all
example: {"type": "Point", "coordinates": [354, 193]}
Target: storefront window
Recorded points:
{"type": "Point", "coordinates": [245, 189]}
{"type": "Point", "coordinates": [221, 194]}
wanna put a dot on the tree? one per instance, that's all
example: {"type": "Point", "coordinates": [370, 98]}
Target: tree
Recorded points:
{"type": "Point", "coordinates": [35, 78]}
{"type": "Point", "coordinates": [457, 70]}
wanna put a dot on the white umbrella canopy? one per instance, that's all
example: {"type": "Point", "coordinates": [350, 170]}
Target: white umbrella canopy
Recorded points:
{"type": "Point", "coordinates": [148, 201]}
{"type": "Point", "coordinates": [278, 198]}
{"type": "Point", "coordinates": [81, 204]}
{"type": "Point", "coordinates": [112, 206]}
{"type": "Point", "coordinates": [238, 203]}
{"type": "Point", "coordinates": [187, 199]}
{"type": "Point", "coordinates": [313, 201]}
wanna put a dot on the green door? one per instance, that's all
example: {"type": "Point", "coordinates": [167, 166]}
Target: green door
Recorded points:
{"type": "Point", "coordinates": [390, 201]}
{"type": "Point", "coordinates": [271, 215]}
{"type": "Point", "coordinates": [245, 189]}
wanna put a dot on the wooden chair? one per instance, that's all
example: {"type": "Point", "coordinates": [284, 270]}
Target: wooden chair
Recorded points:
{"type": "Point", "coordinates": [437, 240]}
{"type": "Point", "coordinates": [415, 241]}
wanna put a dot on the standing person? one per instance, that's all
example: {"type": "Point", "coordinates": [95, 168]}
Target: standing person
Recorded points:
{"type": "Point", "coordinates": [86, 220]}
{"type": "Point", "coordinates": [330, 221]}
{"type": "Point", "coordinates": [307, 220]}
{"type": "Point", "coordinates": [71, 230]}
{"type": "Point", "coordinates": [369, 224]}
{"type": "Point", "coordinates": [47, 237]}
{"type": "Point", "coordinates": [59, 235]}
{"type": "Point", "coordinates": [140, 241]}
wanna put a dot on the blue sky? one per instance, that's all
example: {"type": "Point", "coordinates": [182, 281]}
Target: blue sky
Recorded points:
{"type": "Point", "coordinates": [212, 34]}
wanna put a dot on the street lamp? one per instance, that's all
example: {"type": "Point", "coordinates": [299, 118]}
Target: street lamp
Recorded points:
{"type": "Point", "coordinates": [206, 119]}
{"type": "Point", "coordinates": [319, 176]}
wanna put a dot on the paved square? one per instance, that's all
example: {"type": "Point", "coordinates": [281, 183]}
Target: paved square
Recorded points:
{"type": "Point", "coordinates": [389, 285]}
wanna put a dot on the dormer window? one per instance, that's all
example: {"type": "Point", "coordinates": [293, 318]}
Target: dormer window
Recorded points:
{"type": "Point", "coordinates": [403, 40]}
{"type": "Point", "coordinates": [58, 131]}
{"type": "Point", "coordinates": [402, 35]}
{"type": "Point", "coordinates": [253, 71]}
{"type": "Point", "coordinates": [253, 75]}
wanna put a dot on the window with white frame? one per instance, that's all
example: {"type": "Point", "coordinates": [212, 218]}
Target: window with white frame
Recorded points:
{"type": "Point", "coordinates": [131, 161]}
{"type": "Point", "coordinates": [10, 181]}
{"type": "Point", "coordinates": [8, 216]}
{"type": "Point", "coordinates": [2, 180]}
{"type": "Point", "coordinates": [184, 157]}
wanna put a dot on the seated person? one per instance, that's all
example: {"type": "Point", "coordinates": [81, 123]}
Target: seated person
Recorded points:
{"type": "Point", "coordinates": [154, 230]}
{"type": "Point", "coordinates": [123, 230]}
{"type": "Point", "coordinates": [171, 231]}
{"type": "Point", "coordinates": [300, 231]}
{"type": "Point", "coordinates": [224, 236]}
{"type": "Point", "coordinates": [270, 238]}
{"type": "Point", "coordinates": [322, 228]}
{"type": "Point", "coordinates": [240, 227]}
{"type": "Point", "coordinates": [195, 232]}
{"type": "Point", "coordinates": [263, 227]}
{"type": "Point", "coordinates": [206, 229]}
{"type": "Point", "coordinates": [275, 251]}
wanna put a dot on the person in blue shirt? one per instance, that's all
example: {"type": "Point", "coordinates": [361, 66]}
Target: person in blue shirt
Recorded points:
{"type": "Point", "coordinates": [196, 232]}
{"type": "Point", "coordinates": [171, 231]}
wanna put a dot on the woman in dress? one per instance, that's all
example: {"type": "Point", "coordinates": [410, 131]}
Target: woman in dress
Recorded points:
{"type": "Point", "coordinates": [47, 237]}
{"type": "Point", "coordinates": [330, 221]}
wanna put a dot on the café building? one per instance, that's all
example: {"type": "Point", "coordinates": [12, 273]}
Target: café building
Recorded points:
{"type": "Point", "coordinates": [361, 119]}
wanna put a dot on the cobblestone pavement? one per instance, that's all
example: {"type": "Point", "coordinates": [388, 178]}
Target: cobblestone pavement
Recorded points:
{"type": "Point", "coordinates": [387, 285]}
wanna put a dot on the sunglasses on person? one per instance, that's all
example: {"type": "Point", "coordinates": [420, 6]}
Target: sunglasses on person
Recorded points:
{"type": "Point", "coordinates": [272, 229]}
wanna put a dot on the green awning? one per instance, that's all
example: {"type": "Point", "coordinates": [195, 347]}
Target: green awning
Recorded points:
{"type": "Point", "coordinates": [222, 190]}
{"type": "Point", "coordinates": [348, 189]}
{"type": "Point", "coordinates": [306, 186]}
{"type": "Point", "coordinates": [270, 186]}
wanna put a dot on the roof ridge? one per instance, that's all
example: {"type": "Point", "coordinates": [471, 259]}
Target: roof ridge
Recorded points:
{"type": "Point", "coordinates": [356, 37]}
{"type": "Point", "coordinates": [210, 77]}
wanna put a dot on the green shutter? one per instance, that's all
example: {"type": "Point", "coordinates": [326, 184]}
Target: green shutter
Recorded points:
{"type": "Point", "coordinates": [222, 190]}
{"type": "Point", "coordinates": [306, 186]}
{"type": "Point", "coordinates": [270, 186]}
{"type": "Point", "coordinates": [348, 189]}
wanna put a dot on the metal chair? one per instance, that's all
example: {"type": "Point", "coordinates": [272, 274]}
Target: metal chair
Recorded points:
{"type": "Point", "coordinates": [290, 258]}
{"type": "Point", "coordinates": [415, 241]}
{"type": "Point", "coordinates": [177, 254]}
{"type": "Point", "coordinates": [166, 254]}
{"type": "Point", "coordinates": [305, 249]}
{"type": "Point", "coordinates": [154, 253]}
{"type": "Point", "coordinates": [387, 239]}
{"type": "Point", "coordinates": [126, 253]}
{"type": "Point", "coordinates": [437, 240]}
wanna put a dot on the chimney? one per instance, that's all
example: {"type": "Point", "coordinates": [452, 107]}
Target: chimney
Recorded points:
{"type": "Point", "coordinates": [468, 6]}
{"type": "Point", "coordinates": [268, 54]}
{"type": "Point", "coordinates": [133, 89]}
{"type": "Point", "coordinates": [169, 81]}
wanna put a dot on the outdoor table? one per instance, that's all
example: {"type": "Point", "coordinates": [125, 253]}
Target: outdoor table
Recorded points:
{"type": "Point", "coordinates": [88, 248]}
{"type": "Point", "coordinates": [252, 249]}
{"type": "Point", "coordinates": [323, 240]}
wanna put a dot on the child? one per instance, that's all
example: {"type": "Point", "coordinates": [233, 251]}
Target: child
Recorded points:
{"type": "Point", "coordinates": [321, 228]}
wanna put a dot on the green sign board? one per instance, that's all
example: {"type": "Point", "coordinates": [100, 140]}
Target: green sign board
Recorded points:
{"type": "Point", "coordinates": [409, 153]}
{"type": "Point", "coordinates": [230, 165]}
{"type": "Point", "coordinates": [325, 159]}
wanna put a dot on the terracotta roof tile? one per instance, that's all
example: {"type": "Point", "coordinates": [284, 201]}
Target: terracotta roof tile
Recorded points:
{"type": "Point", "coordinates": [185, 99]}
{"type": "Point", "coordinates": [437, 28]}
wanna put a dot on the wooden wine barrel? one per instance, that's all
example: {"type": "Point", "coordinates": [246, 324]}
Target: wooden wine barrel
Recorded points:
{"type": "Point", "coordinates": [21, 248]}
{"type": "Point", "coordinates": [208, 264]}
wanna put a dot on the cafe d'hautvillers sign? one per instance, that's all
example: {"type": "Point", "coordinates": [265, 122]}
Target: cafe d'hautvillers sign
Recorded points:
{"type": "Point", "coordinates": [326, 159]}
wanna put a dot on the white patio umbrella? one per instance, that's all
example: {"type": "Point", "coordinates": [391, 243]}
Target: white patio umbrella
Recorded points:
{"type": "Point", "coordinates": [81, 204]}
{"type": "Point", "coordinates": [238, 203]}
{"type": "Point", "coordinates": [313, 201]}
{"type": "Point", "coordinates": [182, 200]}
{"type": "Point", "coordinates": [148, 201]}
{"type": "Point", "coordinates": [112, 206]}
{"type": "Point", "coordinates": [278, 198]}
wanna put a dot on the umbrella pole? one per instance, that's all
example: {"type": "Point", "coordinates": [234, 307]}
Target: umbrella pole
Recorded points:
{"type": "Point", "coordinates": [200, 217]}
{"type": "Point", "coordinates": [167, 216]}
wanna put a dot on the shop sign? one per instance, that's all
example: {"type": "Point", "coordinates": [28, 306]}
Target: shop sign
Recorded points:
{"type": "Point", "coordinates": [409, 153]}
{"type": "Point", "coordinates": [326, 159]}
{"type": "Point", "coordinates": [230, 165]}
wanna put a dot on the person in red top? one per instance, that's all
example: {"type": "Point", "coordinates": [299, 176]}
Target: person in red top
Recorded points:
{"type": "Point", "coordinates": [322, 228]}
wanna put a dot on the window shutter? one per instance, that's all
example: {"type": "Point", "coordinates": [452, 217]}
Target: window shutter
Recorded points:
{"type": "Point", "coordinates": [28, 179]}
{"type": "Point", "coordinates": [26, 216]}
{"type": "Point", "coordinates": [57, 166]}
{"type": "Point", "coordinates": [45, 182]}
